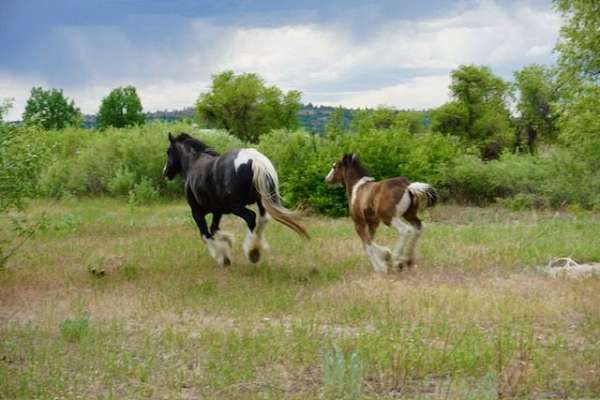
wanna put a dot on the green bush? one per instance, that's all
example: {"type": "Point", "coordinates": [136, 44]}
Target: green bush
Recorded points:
{"type": "Point", "coordinates": [129, 161]}
{"type": "Point", "coordinates": [143, 193]}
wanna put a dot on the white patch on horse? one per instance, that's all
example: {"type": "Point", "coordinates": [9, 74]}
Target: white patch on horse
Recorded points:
{"type": "Point", "coordinates": [357, 186]}
{"type": "Point", "coordinates": [243, 157]}
{"type": "Point", "coordinates": [403, 204]}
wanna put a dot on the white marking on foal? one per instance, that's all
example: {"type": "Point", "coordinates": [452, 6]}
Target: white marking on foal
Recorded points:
{"type": "Point", "coordinates": [357, 186]}
{"type": "Point", "coordinates": [403, 204]}
{"type": "Point", "coordinates": [329, 176]}
{"type": "Point", "coordinates": [379, 257]}
{"type": "Point", "coordinates": [405, 230]}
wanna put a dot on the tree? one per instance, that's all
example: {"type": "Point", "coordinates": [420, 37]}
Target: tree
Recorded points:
{"type": "Point", "coordinates": [537, 94]}
{"type": "Point", "coordinates": [20, 163]}
{"type": "Point", "coordinates": [122, 107]}
{"type": "Point", "coordinates": [50, 109]}
{"type": "Point", "coordinates": [478, 112]}
{"type": "Point", "coordinates": [579, 77]}
{"type": "Point", "coordinates": [386, 117]}
{"type": "Point", "coordinates": [336, 125]}
{"type": "Point", "coordinates": [579, 43]}
{"type": "Point", "coordinates": [246, 107]}
{"type": "Point", "coordinates": [5, 107]}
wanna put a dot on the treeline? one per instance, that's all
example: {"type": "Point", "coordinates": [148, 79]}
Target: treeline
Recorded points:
{"type": "Point", "coordinates": [474, 149]}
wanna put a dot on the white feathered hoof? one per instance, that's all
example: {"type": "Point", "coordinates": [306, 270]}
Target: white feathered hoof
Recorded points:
{"type": "Point", "coordinates": [253, 246]}
{"type": "Point", "coordinates": [380, 257]}
{"type": "Point", "coordinates": [219, 247]}
{"type": "Point", "coordinates": [254, 255]}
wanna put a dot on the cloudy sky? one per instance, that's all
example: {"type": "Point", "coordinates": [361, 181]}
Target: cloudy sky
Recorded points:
{"type": "Point", "coordinates": [354, 53]}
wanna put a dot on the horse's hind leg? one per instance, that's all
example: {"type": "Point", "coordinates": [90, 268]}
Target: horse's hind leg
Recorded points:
{"type": "Point", "coordinates": [251, 252]}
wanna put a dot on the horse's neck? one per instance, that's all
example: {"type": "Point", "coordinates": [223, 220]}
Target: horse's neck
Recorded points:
{"type": "Point", "coordinates": [188, 158]}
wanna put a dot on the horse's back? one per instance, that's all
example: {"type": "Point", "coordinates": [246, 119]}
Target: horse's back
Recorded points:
{"type": "Point", "coordinates": [222, 184]}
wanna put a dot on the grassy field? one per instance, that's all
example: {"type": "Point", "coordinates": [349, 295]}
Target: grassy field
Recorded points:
{"type": "Point", "coordinates": [475, 320]}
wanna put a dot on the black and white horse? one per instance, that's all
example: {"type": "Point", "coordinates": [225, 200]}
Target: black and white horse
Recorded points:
{"type": "Point", "coordinates": [226, 184]}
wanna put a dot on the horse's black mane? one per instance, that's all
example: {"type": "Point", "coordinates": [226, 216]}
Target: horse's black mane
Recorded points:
{"type": "Point", "coordinates": [195, 144]}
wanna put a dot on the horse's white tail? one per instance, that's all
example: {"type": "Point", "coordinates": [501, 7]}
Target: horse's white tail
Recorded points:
{"type": "Point", "coordinates": [267, 185]}
{"type": "Point", "coordinates": [423, 195]}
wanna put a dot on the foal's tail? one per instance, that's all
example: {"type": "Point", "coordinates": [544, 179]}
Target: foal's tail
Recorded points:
{"type": "Point", "coordinates": [423, 195]}
{"type": "Point", "coordinates": [267, 184]}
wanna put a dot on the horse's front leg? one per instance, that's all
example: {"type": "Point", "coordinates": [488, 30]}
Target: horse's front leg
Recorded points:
{"type": "Point", "coordinates": [218, 249]}
{"type": "Point", "coordinates": [216, 231]}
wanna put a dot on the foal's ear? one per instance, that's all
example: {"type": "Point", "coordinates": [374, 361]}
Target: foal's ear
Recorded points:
{"type": "Point", "coordinates": [170, 137]}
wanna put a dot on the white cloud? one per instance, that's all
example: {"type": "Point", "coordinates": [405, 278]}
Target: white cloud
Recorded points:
{"type": "Point", "coordinates": [402, 63]}
{"type": "Point", "coordinates": [416, 93]}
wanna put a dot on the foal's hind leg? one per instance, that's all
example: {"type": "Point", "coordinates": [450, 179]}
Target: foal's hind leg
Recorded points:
{"type": "Point", "coordinates": [411, 241]}
{"type": "Point", "coordinates": [399, 258]}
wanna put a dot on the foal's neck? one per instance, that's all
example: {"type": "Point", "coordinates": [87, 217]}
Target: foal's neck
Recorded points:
{"type": "Point", "coordinates": [352, 177]}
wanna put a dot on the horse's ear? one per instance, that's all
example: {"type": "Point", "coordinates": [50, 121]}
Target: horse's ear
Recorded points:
{"type": "Point", "coordinates": [170, 137]}
{"type": "Point", "coordinates": [353, 157]}
{"type": "Point", "coordinates": [345, 158]}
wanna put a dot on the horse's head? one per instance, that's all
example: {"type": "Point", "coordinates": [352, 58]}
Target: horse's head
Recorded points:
{"type": "Point", "coordinates": [337, 174]}
{"type": "Point", "coordinates": [173, 164]}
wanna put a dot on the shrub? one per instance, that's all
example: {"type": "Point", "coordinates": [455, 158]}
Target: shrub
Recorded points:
{"type": "Point", "coordinates": [143, 193]}
{"type": "Point", "coordinates": [73, 330]}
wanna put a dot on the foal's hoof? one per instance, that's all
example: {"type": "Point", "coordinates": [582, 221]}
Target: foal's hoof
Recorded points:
{"type": "Point", "coordinates": [254, 255]}
{"type": "Point", "coordinates": [226, 262]}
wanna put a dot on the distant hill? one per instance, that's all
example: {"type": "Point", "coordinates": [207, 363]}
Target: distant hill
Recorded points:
{"type": "Point", "coordinates": [312, 118]}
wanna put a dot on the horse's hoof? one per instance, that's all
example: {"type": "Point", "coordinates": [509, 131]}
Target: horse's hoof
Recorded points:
{"type": "Point", "coordinates": [254, 255]}
{"type": "Point", "coordinates": [226, 262]}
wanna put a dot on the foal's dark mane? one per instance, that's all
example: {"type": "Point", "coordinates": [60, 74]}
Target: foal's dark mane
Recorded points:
{"type": "Point", "coordinates": [353, 163]}
{"type": "Point", "coordinates": [195, 144]}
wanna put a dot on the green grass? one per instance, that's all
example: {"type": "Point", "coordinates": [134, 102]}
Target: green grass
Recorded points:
{"type": "Point", "coordinates": [475, 320]}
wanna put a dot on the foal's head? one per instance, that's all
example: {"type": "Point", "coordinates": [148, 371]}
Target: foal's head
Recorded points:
{"type": "Point", "coordinates": [348, 167]}
{"type": "Point", "coordinates": [180, 146]}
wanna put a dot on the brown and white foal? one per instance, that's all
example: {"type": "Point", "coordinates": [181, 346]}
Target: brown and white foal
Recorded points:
{"type": "Point", "coordinates": [388, 201]}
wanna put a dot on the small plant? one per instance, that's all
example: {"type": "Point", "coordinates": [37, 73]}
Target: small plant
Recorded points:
{"type": "Point", "coordinates": [143, 193]}
{"type": "Point", "coordinates": [130, 271]}
{"type": "Point", "coordinates": [342, 375]}
{"type": "Point", "coordinates": [73, 330]}
{"type": "Point", "coordinates": [205, 289]}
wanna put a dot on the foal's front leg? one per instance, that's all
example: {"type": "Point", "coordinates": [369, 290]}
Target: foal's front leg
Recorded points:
{"type": "Point", "coordinates": [379, 256]}
{"type": "Point", "coordinates": [218, 249]}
